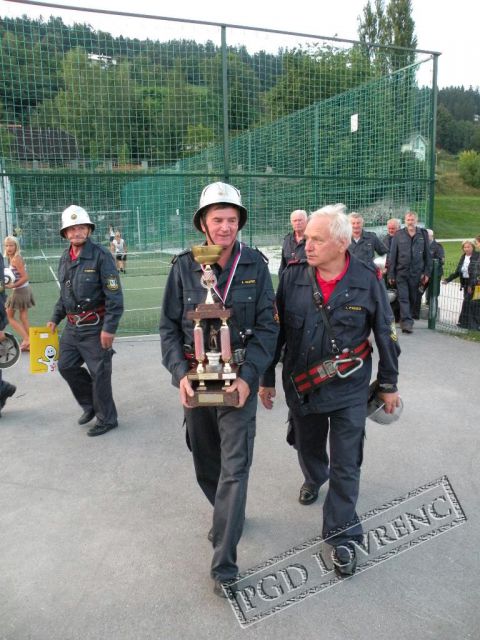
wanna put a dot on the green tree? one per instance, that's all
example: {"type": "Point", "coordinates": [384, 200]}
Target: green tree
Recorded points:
{"type": "Point", "coordinates": [392, 26]}
{"type": "Point", "coordinates": [6, 138]}
{"type": "Point", "coordinates": [313, 74]}
{"type": "Point", "coordinates": [97, 105]}
{"type": "Point", "coordinates": [469, 167]}
{"type": "Point", "coordinates": [242, 85]}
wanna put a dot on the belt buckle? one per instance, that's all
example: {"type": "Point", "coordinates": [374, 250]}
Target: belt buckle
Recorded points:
{"type": "Point", "coordinates": [329, 368]}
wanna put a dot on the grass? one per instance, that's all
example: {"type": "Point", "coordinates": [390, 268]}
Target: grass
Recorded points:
{"type": "Point", "coordinates": [457, 205]}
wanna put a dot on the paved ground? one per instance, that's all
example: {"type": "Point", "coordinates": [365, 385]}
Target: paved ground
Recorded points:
{"type": "Point", "coordinates": [105, 538]}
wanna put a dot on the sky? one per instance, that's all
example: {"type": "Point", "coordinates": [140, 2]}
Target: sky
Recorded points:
{"type": "Point", "coordinates": [447, 27]}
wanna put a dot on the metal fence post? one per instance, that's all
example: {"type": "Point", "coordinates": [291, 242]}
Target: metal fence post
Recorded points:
{"type": "Point", "coordinates": [434, 292]}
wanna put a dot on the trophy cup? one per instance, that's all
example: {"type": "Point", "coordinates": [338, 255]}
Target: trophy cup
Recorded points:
{"type": "Point", "coordinates": [214, 370]}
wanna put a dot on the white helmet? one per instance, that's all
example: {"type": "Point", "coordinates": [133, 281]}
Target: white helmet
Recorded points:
{"type": "Point", "coordinates": [376, 408]}
{"type": "Point", "coordinates": [392, 295]}
{"type": "Point", "coordinates": [74, 215]}
{"type": "Point", "coordinates": [220, 193]}
{"type": "Point", "coordinates": [379, 262]}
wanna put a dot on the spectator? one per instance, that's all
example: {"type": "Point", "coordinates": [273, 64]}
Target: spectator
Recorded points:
{"type": "Point", "coordinates": [468, 270]}
{"type": "Point", "coordinates": [393, 225]}
{"type": "Point", "coordinates": [438, 253]}
{"type": "Point", "coordinates": [21, 298]}
{"type": "Point", "coordinates": [294, 243]}
{"type": "Point", "coordinates": [119, 249]}
{"type": "Point", "coordinates": [409, 266]}
{"type": "Point", "coordinates": [364, 244]}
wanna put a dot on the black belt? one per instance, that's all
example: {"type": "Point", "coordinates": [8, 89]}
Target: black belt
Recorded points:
{"type": "Point", "coordinates": [341, 365]}
{"type": "Point", "coordinates": [86, 318]}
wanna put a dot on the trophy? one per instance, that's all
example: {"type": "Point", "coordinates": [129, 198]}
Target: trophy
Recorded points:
{"type": "Point", "coordinates": [213, 370]}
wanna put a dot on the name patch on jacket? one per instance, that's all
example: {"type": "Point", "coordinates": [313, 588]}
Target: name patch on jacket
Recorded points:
{"type": "Point", "coordinates": [249, 281]}
{"type": "Point", "coordinates": [353, 307]}
{"type": "Point", "coordinates": [112, 283]}
{"type": "Point", "coordinates": [89, 271]}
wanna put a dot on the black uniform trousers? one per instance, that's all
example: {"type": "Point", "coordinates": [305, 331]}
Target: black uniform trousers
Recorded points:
{"type": "Point", "coordinates": [345, 431]}
{"type": "Point", "coordinates": [407, 289]}
{"type": "Point", "coordinates": [221, 440]}
{"type": "Point", "coordinates": [311, 446]}
{"type": "Point", "coordinates": [468, 318]}
{"type": "Point", "coordinates": [92, 388]}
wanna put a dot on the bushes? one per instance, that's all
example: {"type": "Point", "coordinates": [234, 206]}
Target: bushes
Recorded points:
{"type": "Point", "coordinates": [469, 167]}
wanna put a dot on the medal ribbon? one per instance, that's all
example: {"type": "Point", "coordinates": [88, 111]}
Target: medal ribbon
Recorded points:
{"type": "Point", "coordinates": [230, 277]}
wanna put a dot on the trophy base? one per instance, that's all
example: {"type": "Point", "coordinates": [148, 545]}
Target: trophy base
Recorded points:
{"type": "Point", "coordinates": [213, 396]}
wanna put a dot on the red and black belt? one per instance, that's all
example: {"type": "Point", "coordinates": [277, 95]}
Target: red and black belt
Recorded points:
{"type": "Point", "coordinates": [85, 318]}
{"type": "Point", "coordinates": [341, 365]}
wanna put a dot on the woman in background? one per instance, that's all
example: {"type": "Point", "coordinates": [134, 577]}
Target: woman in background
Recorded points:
{"type": "Point", "coordinates": [21, 298]}
{"type": "Point", "coordinates": [467, 269]}
{"type": "Point", "coordinates": [119, 251]}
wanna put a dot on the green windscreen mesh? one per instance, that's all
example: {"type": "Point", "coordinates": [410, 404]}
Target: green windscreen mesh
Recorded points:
{"type": "Point", "coordinates": [132, 126]}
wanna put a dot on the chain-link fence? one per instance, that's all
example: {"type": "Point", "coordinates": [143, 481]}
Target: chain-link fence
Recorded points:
{"type": "Point", "coordinates": [132, 128]}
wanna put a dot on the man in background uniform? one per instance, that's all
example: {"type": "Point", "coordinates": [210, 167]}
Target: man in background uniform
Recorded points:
{"type": "Point", "coordinates": [221, 438]}
{"type": "Point", "coordinates": [294, 243]}
{"type": "Point", "coordinates": [409, 267]}
{"type": "Point", "coordinates": [364, 244]}
{"type": "Point", "coordinates": [328, 306]}
{"type": "Point", "coordinates": [92, 301]}
{"type": "Point", "coordinates": [393, 225]}
{"type": "Point", "coordinates": [438, 253]}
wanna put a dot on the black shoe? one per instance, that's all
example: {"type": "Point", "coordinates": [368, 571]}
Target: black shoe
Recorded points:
{"type": "Point", "coordinates": [8, 391]}
{"type": "Point", "coordinates": [100, 429]}
{"type": "Point", "coordinates": [218, 589]}
{"type": "Point", "coordinates": [308, 494]}
{"type": "Point", "coordinates": [86, 416]}
{"type": "Point", "coordinates": [345, 559]}
{"type": "Point", "coordinates": [407, 330]}
{"type": "Point", "coordinates": [210, 535]}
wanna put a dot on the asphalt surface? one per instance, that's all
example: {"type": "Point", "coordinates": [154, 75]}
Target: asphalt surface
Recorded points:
{"type": "Point", "coordinates": [106, 538]}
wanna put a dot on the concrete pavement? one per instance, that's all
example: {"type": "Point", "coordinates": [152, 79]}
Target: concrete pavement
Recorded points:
{"type": "Point", "coordinates": [106, 538]}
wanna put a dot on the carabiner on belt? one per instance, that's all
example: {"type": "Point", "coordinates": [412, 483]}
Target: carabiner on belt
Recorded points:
{"type": "Point", "coordinates": [81, 320]}
{"type": "Point", "coordinates": [337, 363]}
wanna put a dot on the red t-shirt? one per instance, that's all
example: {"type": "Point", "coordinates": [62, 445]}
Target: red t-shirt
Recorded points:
{"type": "Point", "coordinates": [327, 286]}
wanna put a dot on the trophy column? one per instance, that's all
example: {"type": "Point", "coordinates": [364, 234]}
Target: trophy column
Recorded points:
{"type": "Point", "coordinates": [214, 370]}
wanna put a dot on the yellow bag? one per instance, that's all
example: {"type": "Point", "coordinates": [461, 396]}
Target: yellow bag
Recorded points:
{"type": "Point", "coordinates": [44, 350]}
{"type": "Point", "coordinates": [476, 292]}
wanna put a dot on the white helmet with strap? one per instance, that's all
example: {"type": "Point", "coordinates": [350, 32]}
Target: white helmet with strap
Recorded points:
{"type": "Point", "coordinates": [220, 193]}
{"type": "Point", "coordinates": [74, 215]}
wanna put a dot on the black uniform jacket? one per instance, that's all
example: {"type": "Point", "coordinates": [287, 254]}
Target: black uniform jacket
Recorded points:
{"type": "Point", "coordinates": [253, 325]}
{"type": "Point", "coordinates": [291, 250]}
{"type": "Point", "coordinates": [357, 306]}
{"type": "Point", "coordinates": [409, 256]}
{"type": "Point", "coordinates": [367, 245]}
{"type": "Point", "coordinates": [89, 282]}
